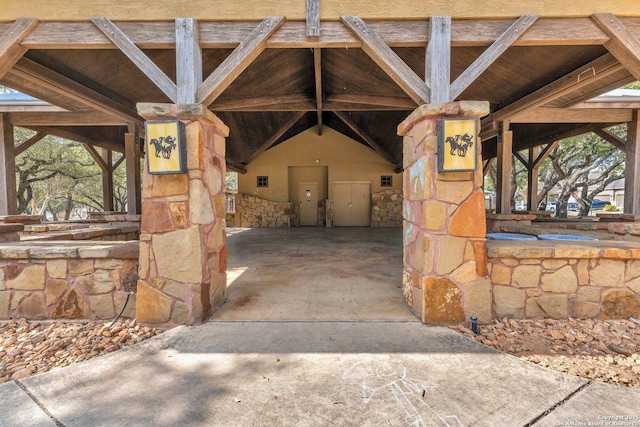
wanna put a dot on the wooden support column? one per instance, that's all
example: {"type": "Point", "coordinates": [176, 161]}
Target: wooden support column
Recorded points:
{"type": "Point", "coordinates": [107, 180]}
{"type": "Point", "coordinates": [132, 158]}
{"type": "Point", "coordinates": [188, 60]}
{"type": "Point", "coordinates": [505, 147]}
{"type": "Point", "coordinates": [438, 60]}
{"type": "Point", "coordinates": [632, 167]}
{"type": "Point", "coordinates": [8, 196]}
{"type": "Point", "coordinates": [532, 179]}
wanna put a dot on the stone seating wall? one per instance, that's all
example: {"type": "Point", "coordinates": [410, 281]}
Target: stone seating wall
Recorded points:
{"type": "Point", "coordinates": [254, 212]}
{"type": "Point", "coordinates": [539, 279]}
{"type": "Point", "coordinates": [71, 280]}
{"type": "Point", "coordinates": [386, 208]}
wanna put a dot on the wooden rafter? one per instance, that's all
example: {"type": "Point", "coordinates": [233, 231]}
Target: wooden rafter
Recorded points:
{"type": "Point", "coordinates": [139, 59]}
{"type": "Point", "coordinates": [29, 142]}
{"type": "Point", "coordinates": [50, 83]}
{"type": "Point", "coordinates": [489, 56]}
{"type": "Point", "coordinates": [349, 101]}
{"type": "Point", "coordinates": [362, 134]}
{"type": "Point", "coordinates": [544, 153]}
{"type": "Point", "coordinates": [313, 19]}
{"type": "Point", "coordinates": [235, 166]}
{"type": "Point", "coordinates": [623, 44]}
{"type": "Point", "coordinates": [277, 135]}
{"type": "Point", "coordinates": [10, 48]}
{"type": "Point", "coordinates": [487, 165]}
{"type": "Point", "coordinates": [241, 57]}
{"type": "Point", "coordinates": [388, 60]}
{"type": "Point", "coordinates": [317, 67]}
{"type": "Point", "coordinates": [612, 139]}
{"type": "Point", "coordinates": [521, 158]}
{"type": "Point", "coordinates": [188, 60]}
{"type": "Point", "coordinates": [573, 81]}
{"type": "Point", "coordinates": [438, 60]}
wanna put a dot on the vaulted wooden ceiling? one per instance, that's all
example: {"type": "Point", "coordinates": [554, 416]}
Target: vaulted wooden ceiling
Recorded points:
{"type": "Point", "coordinates": [531, 70]}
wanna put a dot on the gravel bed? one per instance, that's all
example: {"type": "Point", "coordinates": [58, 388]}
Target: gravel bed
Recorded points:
{"type": "Point", "coordinates": [31, 347]}
{"type": "Point", "coordinates": [602, 350]}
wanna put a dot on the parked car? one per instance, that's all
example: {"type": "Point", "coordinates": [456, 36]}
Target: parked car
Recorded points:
{"type": "Point", "coordinates": [551, 206]}
{"type": "Point", "coordinates": [521, 206]}
{"type": "Point", "coordinates": [598, 204]}
{"type": "Point", "coordinates": [572, 206]}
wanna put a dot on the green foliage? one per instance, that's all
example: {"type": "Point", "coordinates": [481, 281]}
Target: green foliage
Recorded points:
{"type": "Point", "coordinates": [634, 85]}
{"type": "Point", "coordinates": [231, 181]}
{"type": "Point", "coordinates": [609, 208]}
{"type": "Point", "coordinates": [60, 176]}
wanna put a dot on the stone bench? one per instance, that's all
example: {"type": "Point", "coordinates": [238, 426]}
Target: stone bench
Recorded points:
{"type": "Point", "coordinates": [67, 279]}
{"type": "Point", "coordinates": [10, 232]}
{"type": "Point", "coordinates": [537, 279]}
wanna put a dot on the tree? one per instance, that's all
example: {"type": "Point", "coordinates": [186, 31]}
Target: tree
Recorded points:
{"type": "Point", "coordinates": [581, 167]}
{"type": "Point", "coordinates": [59, 176]}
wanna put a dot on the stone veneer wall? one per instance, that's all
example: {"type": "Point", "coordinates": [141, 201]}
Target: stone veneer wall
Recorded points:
{"type": "Point", "coordinates": [560, 280]}
{"type": "Point", "coordinates": [71, 280]}
{"type": "Point", "coordinates": [386, 208]}
{"type": "Point", "coordinates": [255, 212]}
{"type": "Point", "coordinates": [183, 252]}
{"type": "Point", "coordinates": [445, 278]}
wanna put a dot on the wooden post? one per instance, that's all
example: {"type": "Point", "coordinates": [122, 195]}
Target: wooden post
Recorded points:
{"type": "Point", "coordinates": [107, 180]}
{"type": "Point", "coordinates": [8, 197]}
{"type": "Point", "coordinates": [188, 60]}
{"type": "Point", "coordinates": [532, 179]}
{"type": "Point", "coordinates": [505, 147]}
{"type": "Point", "coordinates": [438, 59]}
{"type": "Point", "coordinates": [132, 157]}
{"type": "Point", "coordinates": [632, 167]}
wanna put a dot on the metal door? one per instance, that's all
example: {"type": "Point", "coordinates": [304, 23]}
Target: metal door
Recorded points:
{"type": "Point", "coordinates": [308, 202]}
{"type": "Point", "coordinates": [352, 204]}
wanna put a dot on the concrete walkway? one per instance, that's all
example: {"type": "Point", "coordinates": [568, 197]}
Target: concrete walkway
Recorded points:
{"type": "Point", "coordinates": [369, 365]}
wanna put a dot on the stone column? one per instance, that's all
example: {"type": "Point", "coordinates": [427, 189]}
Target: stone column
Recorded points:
{"type": "Point", "coordinates": [445, 267]}
{"type": "Point", "coordinates": [183, 252]}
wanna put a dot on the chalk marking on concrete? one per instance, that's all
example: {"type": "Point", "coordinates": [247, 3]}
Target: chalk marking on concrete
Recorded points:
{"type": "Point", "coordinates": [409, 394]}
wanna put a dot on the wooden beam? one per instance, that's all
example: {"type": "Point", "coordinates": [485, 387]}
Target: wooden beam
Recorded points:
{"type": "Point", "coordinates": [10, 48]}
{"type": "Point", "coordinates": [505, 149]}
{"type": "Point", "coordinates": [317, 67]}
{"type": "Point", "coordinates": [8, 196]}
{"type": "Point", "coordinates": [396, 33]}
{"type": "Point", "coordinates": [622, 43]}
{"type": "Point", "coordinates": [69, 134]}
{"type": "Point", "coordinates": [632, 167]}
{"type": "Point", "coordinates": [349, 101]}
{"type": "Point", "coordinates": [96, 156]}
{"type": "Point", "coordinates": [277, 135]}
{"type": "Point", "coordinates": [587, 74]}
{"type": "Point", "coordinates": [266, 103]}
{"type": "Point", "coordinates": [370, 141]}
{"type": "Point", "coordinates": [612, 139]}
{"type": "Point", "coordinates": [93, 118]}
{"type": "Point", "coordinates": [139, 59]}
{"type": "Point", "coordinates": [118, 162]}
{"type": "Point", "coordinates": [388, 60]}
{"type": "Point", "coordinates": [487, 165]}
{"type": "Point", "coordinates": [54, 82]}
{"type": "Point", "coordinates": [544, 153]}
{"type": "Point", "coordinates": [438, 60]}
{"type": "Point", "coordinates": [188, 60]}
{"type": "Point", "coordinates": [132, 159]}
{"type": "Point", "coordinates": [238, 61]}
{"type": "Point", "coordinates": [313, 19]}
{"type": "Point", "coordinates": [532, 179]}
{"type": "Point", "coordinates": [107, 180]}
{"type": "Point", "coordinates": [489, 56]}
{"type": "Point", "coordinates": [29, 142]}
{"type": "Point", "coordinates": [572, 115]}
{"type": "Point", "coordinates": [521, 158]}
{"type": "Point", "coordinates": [235, 166]}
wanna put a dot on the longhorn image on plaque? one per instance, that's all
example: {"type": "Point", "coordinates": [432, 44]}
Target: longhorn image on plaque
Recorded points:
{"type": "Point", "coordinates": [457, 145]}
{"type": "Point", "coordinates": [166, 147]}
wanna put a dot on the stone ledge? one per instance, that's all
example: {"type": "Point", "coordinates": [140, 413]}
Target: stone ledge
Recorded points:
{"type": "Point", "coordinates": [554, 250]}
{"type": "Point", "coordinates": [163, 111]}
{"type": "Point", "coordinates": [70, 249]}
{"type": "Point", "coordinates": [455, 109]}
